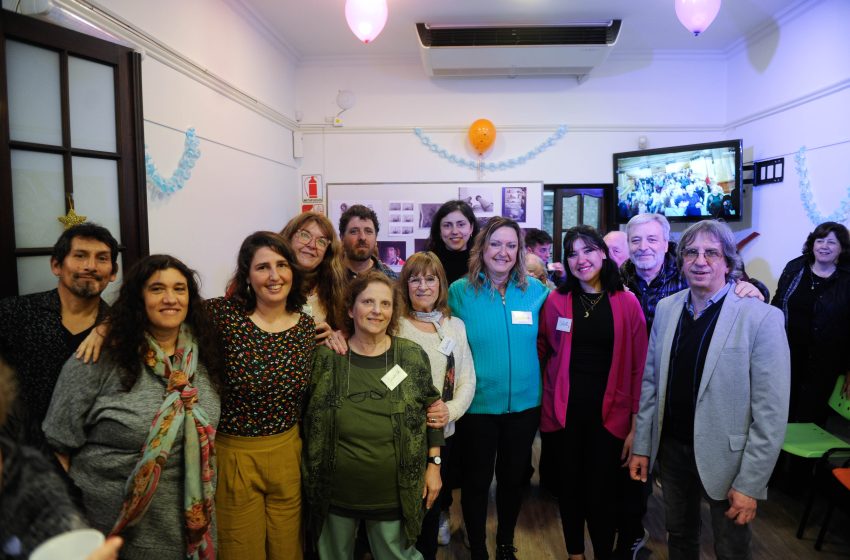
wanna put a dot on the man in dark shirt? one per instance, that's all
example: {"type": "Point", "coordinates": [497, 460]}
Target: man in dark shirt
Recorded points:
{"type": "Point", "coordinates": [358, 229]}
{"type": "Point", "coordinates": [714, 398]}
{"type": "Point", "coordinates": [39, 332]}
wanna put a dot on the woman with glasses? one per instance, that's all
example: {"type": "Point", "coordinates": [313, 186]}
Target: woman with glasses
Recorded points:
{"type": "Point", "coordinates": [814, 294]}
{"type": "Point", "coordinates": [594, 342]}
{"type": "Point", "coordinates": [369, 453]}
{"type": "Point", "coordinates": [452, 228]}
{"type": "Point", "coordinates": [317, 252]}
{"type": "Point", "coordinates": [428, 322]}
{"type": "Point", "coordinates": [499, 304]}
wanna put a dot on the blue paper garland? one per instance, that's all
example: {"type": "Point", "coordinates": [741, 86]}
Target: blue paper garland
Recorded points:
{"type": "Point", "coordinates": [806, 197]}
{"type": "Point", "coordinates": [494, 166]}
{"type": "Point", "coordinates": [183, 173]}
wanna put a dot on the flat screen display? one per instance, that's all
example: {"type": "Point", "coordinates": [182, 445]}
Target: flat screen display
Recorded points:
{"type": "Point", "coordinates": [684, 183]}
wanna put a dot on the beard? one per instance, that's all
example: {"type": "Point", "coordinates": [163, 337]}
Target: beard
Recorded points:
{"type": "Point", "coordinates": [87, 286]}
{"type": "Point", "coordinates": [358, 253]}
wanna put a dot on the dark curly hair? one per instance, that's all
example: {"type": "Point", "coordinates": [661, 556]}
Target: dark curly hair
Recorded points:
{"type": "Point", "coordinates": [609, 276]}
{"type": "Point", "coordinates": [435, 240]}
{"type": "Point", "coordinates": [822, 231]}
{"type": "Point", "coordinates": [125, 342]}
{"type": "Point", "coordinates": [358, 286]}
{"type": "Point", "coordinates": [239, 288]}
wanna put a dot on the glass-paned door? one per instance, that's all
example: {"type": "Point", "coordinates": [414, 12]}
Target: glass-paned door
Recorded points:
{"type": "Point", "coordinates": [72, 137]}
{"type": "Point", "coordinates": [565, 206]}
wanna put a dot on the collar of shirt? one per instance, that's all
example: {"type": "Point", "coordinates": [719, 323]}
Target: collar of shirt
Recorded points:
{"type": "Point", "coordinates": [718, 295]}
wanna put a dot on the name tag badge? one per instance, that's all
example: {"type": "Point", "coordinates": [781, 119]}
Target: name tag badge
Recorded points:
{"type": "Point", "coordinates": [521, 318]}
{"type": "Point", "coordinates": [564, 324]}
{"type": "Point", "coordinates": [394, 377]}
{"type": "Point", "coordinates": [447, 346]}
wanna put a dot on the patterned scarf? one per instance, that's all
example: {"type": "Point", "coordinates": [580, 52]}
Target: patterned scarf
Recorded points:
{"type": "Point", "coordinates": [179, 408]}
{"type": "Point", "coordinates": [449, 381]}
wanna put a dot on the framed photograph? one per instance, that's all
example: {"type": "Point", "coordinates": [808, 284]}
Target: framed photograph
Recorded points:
{"type": "Point", "coordinates": [484, 200]}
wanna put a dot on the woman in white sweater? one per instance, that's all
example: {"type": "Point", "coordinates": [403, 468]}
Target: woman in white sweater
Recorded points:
{"type": "Point", "coordinates": [427, 321]}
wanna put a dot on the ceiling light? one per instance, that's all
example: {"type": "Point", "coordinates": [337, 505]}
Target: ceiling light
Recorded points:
{"type": "Point", "coordinates": [366, 18]}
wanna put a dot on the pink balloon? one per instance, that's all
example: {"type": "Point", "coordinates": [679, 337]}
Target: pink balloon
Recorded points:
{"type": "Point", "coordinates": [697, 15]}
{"type": "Point", "coordinates": [366, 18]}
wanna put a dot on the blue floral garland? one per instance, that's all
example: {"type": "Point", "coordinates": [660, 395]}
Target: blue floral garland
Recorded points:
{"type": "Point", "coordinates": [809, 205]}
{"type": "Point", "coordinates": [494, 166]}
{"type": "Point", "coordinates": [178, 179]}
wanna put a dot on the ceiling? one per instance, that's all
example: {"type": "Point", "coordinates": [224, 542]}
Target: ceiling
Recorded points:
{"type": "Point", "coordinates": [316, 29]}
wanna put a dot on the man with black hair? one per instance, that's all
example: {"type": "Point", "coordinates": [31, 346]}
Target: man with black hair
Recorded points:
{"type": "Point", "coordinates": [39, 332]}
{"type": "Point", "coordinates": [358, 229]}
{"type": "Point", "coordinates": [540, 242]}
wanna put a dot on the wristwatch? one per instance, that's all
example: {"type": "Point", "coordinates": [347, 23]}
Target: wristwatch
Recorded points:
{"type": "Point", "coordinates": [436, 460]}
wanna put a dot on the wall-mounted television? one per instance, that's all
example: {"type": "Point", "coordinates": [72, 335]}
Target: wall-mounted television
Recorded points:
{"type": "Point", "coordinates": [684, 183]}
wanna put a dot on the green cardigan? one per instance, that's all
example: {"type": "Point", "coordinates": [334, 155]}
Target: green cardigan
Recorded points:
{"type": "Point", "coordinates": [412, 439]}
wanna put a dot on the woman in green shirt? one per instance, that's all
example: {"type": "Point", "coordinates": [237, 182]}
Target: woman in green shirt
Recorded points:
{"type": "Point", "coordinates": [369, 453]}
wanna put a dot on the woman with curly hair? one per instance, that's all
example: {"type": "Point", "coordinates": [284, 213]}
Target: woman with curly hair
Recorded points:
{"type": "Point", "coordinates": [318, 252]}
{"type": "Point", "coordinates": [155, 389]}
{"type": "Point", "coordinates": [814, 294]}
{"type": "Point", "coordinates": [268, 352]}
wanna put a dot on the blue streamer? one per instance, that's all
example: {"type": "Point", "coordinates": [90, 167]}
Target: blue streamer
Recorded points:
{"type": "Point", "coordinates": [183, 173]}
{"type": "Point", "coordinates": [807, 199]}
{"type": "Point", "coordinates": [496, 165]}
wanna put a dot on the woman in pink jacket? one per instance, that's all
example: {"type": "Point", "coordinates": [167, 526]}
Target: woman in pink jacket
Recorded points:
{"type": "Point", "coordinates": [593, 338]}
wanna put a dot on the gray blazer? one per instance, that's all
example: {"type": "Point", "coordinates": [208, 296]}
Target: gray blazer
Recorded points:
{"type": "Point", "coordinates": [742, 402]}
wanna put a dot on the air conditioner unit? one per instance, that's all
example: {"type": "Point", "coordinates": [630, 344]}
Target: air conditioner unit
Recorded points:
{"type": "Point", "coordinates": [512, 51]}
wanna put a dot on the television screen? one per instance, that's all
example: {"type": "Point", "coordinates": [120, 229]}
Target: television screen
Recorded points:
{"type": "Point", "coordinates": [685, 183]}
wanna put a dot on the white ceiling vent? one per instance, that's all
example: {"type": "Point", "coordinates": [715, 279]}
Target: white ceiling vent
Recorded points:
{"type": "Point", "coordinates": [512, 51]}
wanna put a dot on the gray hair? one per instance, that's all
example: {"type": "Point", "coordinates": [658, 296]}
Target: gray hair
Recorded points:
{"type": "Point", "coordinates": [721, 233]}
{"type": "Point", "coordinates": [639, 219]}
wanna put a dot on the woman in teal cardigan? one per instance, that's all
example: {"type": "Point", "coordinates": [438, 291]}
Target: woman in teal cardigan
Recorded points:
{"type": "Point", "coordinates": [368, 454]}
{"type": "Point", "coordinates": [500, 305]}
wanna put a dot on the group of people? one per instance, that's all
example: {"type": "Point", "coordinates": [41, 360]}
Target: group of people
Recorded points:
{"type": "Point", "coordinates": [675, 194]}
{"type": "Point", "coordinates": [325, 396]}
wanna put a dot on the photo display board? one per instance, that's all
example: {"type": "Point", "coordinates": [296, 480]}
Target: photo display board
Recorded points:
{"type": "Point", "coordinates": [405, 210]}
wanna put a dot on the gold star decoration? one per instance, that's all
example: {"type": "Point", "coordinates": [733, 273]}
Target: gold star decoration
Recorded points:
{"type": "Point", "coordinates": [71, 219]}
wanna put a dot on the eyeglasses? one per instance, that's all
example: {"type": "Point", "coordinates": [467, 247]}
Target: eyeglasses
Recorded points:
{"type": "Point", "coordinates": [360, 397]}
{"type": "Point", "coordinates": [711, 255]}
{"type": "Point", "coordinates": [429, 281]}
{"type": "Point", "coordinates": [306, 237]}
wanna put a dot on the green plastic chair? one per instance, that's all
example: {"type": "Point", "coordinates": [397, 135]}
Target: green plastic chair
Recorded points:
{"type": "Point", "coordinates": [810, 441]}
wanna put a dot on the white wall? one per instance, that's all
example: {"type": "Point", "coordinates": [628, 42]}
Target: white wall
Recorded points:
{"type": "Point", "coordinates": [796, 81]}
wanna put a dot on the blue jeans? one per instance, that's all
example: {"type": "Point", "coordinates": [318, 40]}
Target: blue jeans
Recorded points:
{"type": "Point", "coordinates": [683, 492]}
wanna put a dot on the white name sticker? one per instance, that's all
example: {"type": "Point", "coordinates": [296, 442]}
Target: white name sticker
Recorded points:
{"type": "Point", "coordinates": [394, 377]}
{"type": "Point", "coordinates": [521, 318]}
{"type": "Point", "coordinates": [447, 346]}
{"type": "Point", "coordinates": [564, 324]}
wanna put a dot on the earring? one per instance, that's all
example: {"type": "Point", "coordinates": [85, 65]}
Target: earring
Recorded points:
{"type": "Point", "coordinates": [248, 289]}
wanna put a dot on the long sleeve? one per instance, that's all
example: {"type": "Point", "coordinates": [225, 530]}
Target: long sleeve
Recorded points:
{"type": "Point", "coordinates": [464, 372]}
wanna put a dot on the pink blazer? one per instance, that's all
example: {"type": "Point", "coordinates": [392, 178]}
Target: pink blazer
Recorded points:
{"type": "Point", "coordinates": [622, 393]}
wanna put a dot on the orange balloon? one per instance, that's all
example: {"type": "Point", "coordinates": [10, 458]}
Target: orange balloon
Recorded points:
{"type": "Point", "coordinates": [482, 134]}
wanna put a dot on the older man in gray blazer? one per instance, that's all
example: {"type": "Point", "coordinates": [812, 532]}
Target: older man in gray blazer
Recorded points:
{"type": "Point", "coordinates": [714, 399]}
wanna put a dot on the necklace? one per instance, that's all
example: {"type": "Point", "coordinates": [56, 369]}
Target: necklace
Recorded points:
{"type": "Point", "coordinates": [817, 279]}
{"type": "Point", "coordinates": [589, 303]}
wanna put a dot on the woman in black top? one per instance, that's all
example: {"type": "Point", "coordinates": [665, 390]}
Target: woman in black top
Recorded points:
{"type": "Point", "coordinates": [814, 295]}
{"type": "Point", "coordinates": [452, 228]}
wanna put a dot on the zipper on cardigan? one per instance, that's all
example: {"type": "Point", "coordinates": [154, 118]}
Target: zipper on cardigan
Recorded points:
{"type": "Point", "coordinates": [508, 332]}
